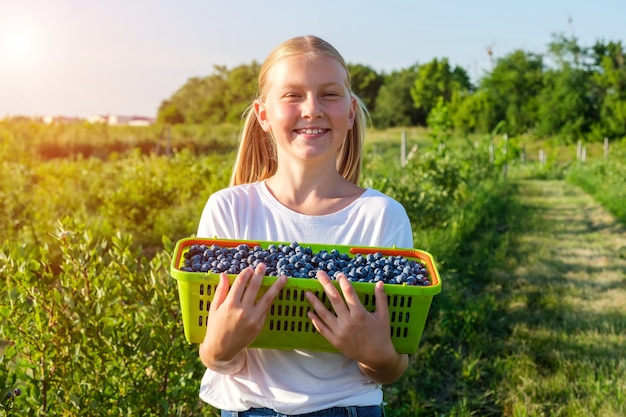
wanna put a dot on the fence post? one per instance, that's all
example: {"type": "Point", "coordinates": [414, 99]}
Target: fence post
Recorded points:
{"type": "Point", "coordinates": [579, 149]}
{"type": "Point", "coordinates": [412, 153]}
{"type": "Point", "coordinates": [606, 147]}
{"type": "Point", "coordinates": [542, 157]}
{"type": "Point", "coordinates": [583, 154]}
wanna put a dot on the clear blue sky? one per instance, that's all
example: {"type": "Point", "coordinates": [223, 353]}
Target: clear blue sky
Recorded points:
{"type": "Point", "coordinates": [79, 58]}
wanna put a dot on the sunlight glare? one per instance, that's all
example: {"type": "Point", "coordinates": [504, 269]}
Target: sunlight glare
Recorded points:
{"type": "Point", "coordinates": [18, 48]}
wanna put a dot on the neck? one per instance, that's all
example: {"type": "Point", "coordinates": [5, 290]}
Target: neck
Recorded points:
{"type": "Point", "coordinates": [311, 190]}
{"type": "Point", "coordinates": [298, 180]}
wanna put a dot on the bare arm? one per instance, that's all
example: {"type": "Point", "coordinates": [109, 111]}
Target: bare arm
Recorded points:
{"type": "Point", "coordinates": [235, 319]}
{"type": "Point", "coordinates": [359, 334]}
{"type": "Point", "coordinates": [387, 370]}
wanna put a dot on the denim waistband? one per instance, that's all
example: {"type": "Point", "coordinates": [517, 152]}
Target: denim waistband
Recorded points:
{"type": "Point", "coordinates": [352, 411]}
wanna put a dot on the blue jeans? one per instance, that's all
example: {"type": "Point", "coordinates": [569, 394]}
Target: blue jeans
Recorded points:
{"type": "Point", "coordinates": [367, 411]}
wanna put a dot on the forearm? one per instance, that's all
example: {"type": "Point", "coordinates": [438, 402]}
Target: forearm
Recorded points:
{"type": "Point", "coordinates": [387, 370]}
{"type": "Point", "coordinates": [219, 363]}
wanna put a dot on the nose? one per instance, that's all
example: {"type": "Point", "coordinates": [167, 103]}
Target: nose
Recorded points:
{"type": "Point", "coordinates": [311, 108]}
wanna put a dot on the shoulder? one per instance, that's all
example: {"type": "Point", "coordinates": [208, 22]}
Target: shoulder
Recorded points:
{"type": "Point", "coordinates": [231, 199]}
{"type": "Point", "coordinates": [383, 219]}
{"type": "Point", "coordinates": [226, 209]}
{"type": "Point", "coordinates": [379, 206]}
{"type": "Point", "coordinates": [235, 192]}
{"type": "Point", "coordinates": [379, 199]}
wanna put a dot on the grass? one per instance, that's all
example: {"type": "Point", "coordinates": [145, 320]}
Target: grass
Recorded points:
{"type": "Point", "coordinates": [565, 299]}
{"type": "Point", "coordinates": [531, 320]}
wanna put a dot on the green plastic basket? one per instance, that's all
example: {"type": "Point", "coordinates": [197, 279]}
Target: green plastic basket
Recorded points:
{"type": "Point", "coordinates": [287, 325]}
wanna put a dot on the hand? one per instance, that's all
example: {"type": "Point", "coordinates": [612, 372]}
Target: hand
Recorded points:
{"type": "Point", "coordinates": [236, 318]}
{"type": "Point", "coordinates": [359, 334]}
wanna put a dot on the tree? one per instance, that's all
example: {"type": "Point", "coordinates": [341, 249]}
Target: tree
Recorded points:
{"type": "Point", "coordinates": [365, 83]}
{"type": "Point", "coordinates": [169, 113]}
{"type": "Point", "coordinates": [563, 104]}
{"type": "Point", "coordinates": [566, 107]}
{"type": "Point", "coordinates": [610, 84]}
{"type": "Point", "coordinates": [393, 104]}
{"type": "Point", "coordinates": [217, 98]}
{"type": "Point", "coordinates": [195, 100]}
{"type": "Point", "coordinates": [241, 83]}
{"type": "Point", "coordinates": [434, 80]}
{"type": "Point", "coordinates": [473, 112]}
{"type": "Point", "coordinates": [513, 87]}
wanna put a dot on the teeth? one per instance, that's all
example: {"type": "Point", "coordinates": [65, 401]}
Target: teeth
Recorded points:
{"type": "Point", "coordinates": [312, 131]}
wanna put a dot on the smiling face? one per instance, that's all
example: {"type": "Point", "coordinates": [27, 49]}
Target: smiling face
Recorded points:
{"type": "Point", "coordinates": [308, 108]}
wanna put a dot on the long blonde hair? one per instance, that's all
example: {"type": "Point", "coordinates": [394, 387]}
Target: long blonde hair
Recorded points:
{"type": "Point", "coordinates": [256, 156]}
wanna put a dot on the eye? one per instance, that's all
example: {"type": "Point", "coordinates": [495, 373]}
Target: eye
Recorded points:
{"type": "Point", "coordinates": [331, 94]}
{"type": "Point", "coordinates": [292, 96]}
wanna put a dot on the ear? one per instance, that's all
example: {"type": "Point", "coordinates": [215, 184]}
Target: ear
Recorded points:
{"type": "Point", "coordinates": [353, 111]}
{"type": "Point", "coordinates": [261, 115]}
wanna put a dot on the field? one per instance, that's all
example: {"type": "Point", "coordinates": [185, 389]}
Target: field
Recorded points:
{"type": "Point", "coordinates": [530, 321]}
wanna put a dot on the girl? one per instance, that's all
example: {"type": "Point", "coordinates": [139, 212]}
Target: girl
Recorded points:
{"type": "Point", "coordinates": [295, 179]}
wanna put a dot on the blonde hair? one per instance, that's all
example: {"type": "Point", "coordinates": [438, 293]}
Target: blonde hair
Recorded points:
{"type": "Point", "coordinates": [256, 156]}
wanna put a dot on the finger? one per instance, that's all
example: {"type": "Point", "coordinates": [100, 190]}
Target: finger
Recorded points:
{"type": "Point", "coordinates": [335, 298]}
{"type": "Point", "coordinates": [315, 302]}
{"type": "Point", "coordinates": [221, 291]}
{"type": "Point", "coordinates": [266, 300]}
{"type": "Point", "coordinates": [320, 313]}
{"type": "Point", "coordinates": [252, 289]}
{"type": "Point", "coordinates": [382, 305]}
{"type": "Point", "coordinates": [320, 326]}
{"type": "Point", "coordinates": [239, 285]}
{"type": "Point", "coordinates": [349, 294]}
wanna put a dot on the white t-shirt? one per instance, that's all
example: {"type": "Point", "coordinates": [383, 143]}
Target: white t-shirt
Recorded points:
{"type": "Point", "coordinates": [298, 381]}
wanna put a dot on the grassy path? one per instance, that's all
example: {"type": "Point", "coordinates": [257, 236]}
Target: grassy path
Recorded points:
{"type": "Point", "coordinates": [563, 289]}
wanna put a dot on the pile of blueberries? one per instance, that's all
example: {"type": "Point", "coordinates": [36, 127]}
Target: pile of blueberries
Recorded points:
{"type": "Point", "coordinates": [298, 261]}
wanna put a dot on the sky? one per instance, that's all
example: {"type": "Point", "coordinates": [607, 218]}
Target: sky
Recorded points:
{"type": "Point", "coordinates": [80, 58]}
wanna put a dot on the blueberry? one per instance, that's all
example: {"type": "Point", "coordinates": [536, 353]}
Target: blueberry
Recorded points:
{"type": "Point", "coordinates": [299, 261]}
